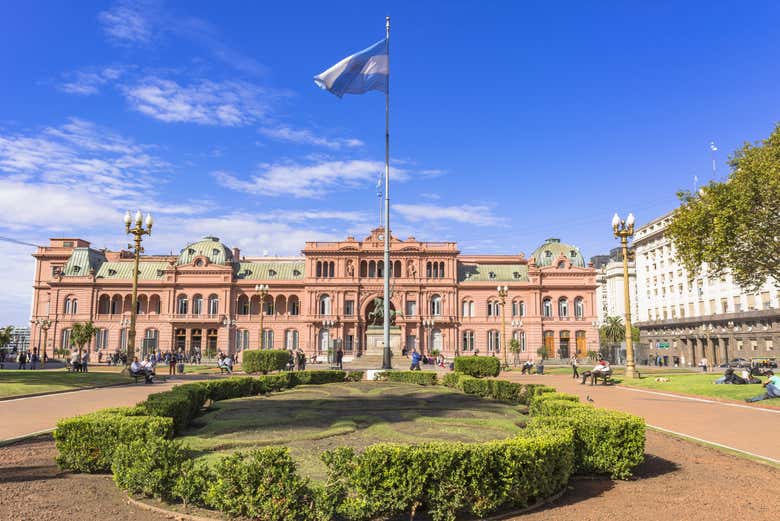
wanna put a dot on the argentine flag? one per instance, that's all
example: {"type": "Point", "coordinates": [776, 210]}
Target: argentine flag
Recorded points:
{"type": "Point", "coordinates": [357, 74]}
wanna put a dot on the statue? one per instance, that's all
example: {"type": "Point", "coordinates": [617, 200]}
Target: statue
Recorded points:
{"type": "Point", "coordinates": [377, 316]}
{"type": "Point", "coordinates": [412, 269]}
{"type": "Point", "coordinates": [350, 269]}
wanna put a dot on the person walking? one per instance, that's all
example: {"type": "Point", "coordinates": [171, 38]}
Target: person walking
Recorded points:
{"type": "Point", "coordinates": [340, 358]}
{"type": "Point", "coordinates": [703, 363]}
{"type": "Point", "coordinates": [416, 357]}
{"type": "Point", "coordinates": [574, 373]}
{"type": "Point", "coordinates": [171, 364]}
{"type": "Point", "coordinates": [22, 360]}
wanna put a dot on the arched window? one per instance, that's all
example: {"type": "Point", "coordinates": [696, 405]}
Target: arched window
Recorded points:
{"type": "Point", "coordinates": [428, 270]}
{"type": "Point", "coordinates": [363, 269]}
{"type": "Point", "coordinates": [213, 305]}
{"type": "Point", "coordinates": [547, 307]}
{"type": "Point", "coordinates": [468, 341]}
{"type": "Point", "coordinates": [181, 304]}
{"type": "Point", "coordinates": [66, 308]}
{"type": "Point", "coordinates": [268, 305]}
{"type": "Point", "coordinates": [116, 305]}
{"type": "Point", "coordinates": [324, 305]}
{"type": "Point", "coordinates": [397, 269]}
{"type": "Point", "coordinates": [243, 305]}
{"type": "Point", "coordinates": [197, 305]}
{"type": "Point", "coordinates": [441, 270]}
{"type": "Point", "coordinates": [579, 307]}
{"type": "Point", "coordinates": [319, 269]}
{"type": "Point", "coordinates": [154, 304]}
{"type": "Point", "coordinates": [332, 269]}
{"type": "Point", "coordinates": [522, 308]}
{"type": "Point", "coordinates": [436, 305]}
{"type": "Point", "coordinates": [74, 306]}
{"type": "Point", "coordinates": [291, 339]}
{"type": "Point", "coordinates": [141, 304]}
{"type": "Point", "coordinates": [514, 308]}
{"type": "Point", "coordinates": [493, 341]}
{"type": "Point", "coordinates": [468, 308]}
{"type": "Point", "coordinates": [293, 306]}
{"type": "Point", "coordinates": [104, 305]}
{"type": "Point", "coordinates": [563, 307]}
{"type": "Point", "coordinates": [493, 308]}
{"type": "Point", "coordinates": [380, 269]}
{"type": "Point", "coordinates": [372, 269]}
{"type": "Point", "coordinates": [435, 270]}
{"type": "Point", "coordinates": [65, 339]}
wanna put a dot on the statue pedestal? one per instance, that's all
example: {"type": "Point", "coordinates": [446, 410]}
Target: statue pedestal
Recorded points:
{"type": "Point", "coordinates": [375, 341]}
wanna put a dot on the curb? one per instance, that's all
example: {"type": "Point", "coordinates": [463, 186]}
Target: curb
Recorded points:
{"type": "Point", "coordinates": [191, 517]}
{"type": "Point", "coordinates": [24, 437]}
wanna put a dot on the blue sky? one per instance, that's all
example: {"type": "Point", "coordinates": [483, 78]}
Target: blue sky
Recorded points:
{"type": "Point", "coordinates": [511, 122]}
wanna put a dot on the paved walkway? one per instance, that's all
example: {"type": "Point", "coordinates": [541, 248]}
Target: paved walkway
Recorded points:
{"type": "Point", "coordinates": [741, 427]}
{"type": "Point", "coordinates": [23, 416]}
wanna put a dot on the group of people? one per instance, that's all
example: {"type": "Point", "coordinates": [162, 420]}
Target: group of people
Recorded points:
{"type": "Point", "coordinates": [145, 368]}
{"type": "Point", "coordinates": [298, 359]}
{"type": "Point", "coordinates": [23, 358]}
{"type": "Point", "coordinates": [225, 363]}
{"type": "Point", "coordinates": [79, 361]}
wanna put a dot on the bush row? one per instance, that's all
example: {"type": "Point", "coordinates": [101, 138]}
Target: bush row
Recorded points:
{"type": "Point", "coordinates": [87, 443]}
{"type": "Point", "coordinates": [605, 442]}
{"type": "Point", "coordinates": [495, 389]}
{"type": "Point", "coordinates": [411, 377]}
{"type": "Point", "coordinates": [478, 366]}
{"type": "Point", "coordinates": [265, 360]}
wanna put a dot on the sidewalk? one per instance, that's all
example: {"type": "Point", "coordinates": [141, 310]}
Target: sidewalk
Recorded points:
{"type": "Point", "coordinates": [741, 427]}
{"type": "Point", "coordinates": [24, 416]}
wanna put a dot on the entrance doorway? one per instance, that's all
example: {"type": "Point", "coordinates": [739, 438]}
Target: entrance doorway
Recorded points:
{"type": "Point", "coordinates": [324, 342]}
{"type": "Point", "coordinates": [563, 350]}
{"type": "Point", "coordinates": [196, 339]}
{"type": "Point", "coordinates": [180, 340]}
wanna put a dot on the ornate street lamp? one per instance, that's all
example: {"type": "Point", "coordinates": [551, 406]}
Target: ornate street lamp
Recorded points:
{"type": "Point", "coordinates": [516, 324]}
{"type": "Point", "coordinates": [262, 290]}
{"type": "Point", "coordinates": [138, 231]}
{"type": "Point", "coordinates": [502, 293]}
{"type": "Point", "coordinates": [623, 230]}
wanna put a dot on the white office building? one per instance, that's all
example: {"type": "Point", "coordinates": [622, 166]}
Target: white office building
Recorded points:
{"type": "Point", "coordinates": [685, 319]}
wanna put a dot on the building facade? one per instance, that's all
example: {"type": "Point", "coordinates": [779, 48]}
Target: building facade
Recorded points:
{"type": "Point", "coordinates": [685, 318]}
{"type": "Point", "coordinates": [204, 299]}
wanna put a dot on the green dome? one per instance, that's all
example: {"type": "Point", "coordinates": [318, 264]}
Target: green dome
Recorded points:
{"type": "Point", "coordinates": [552, 248]}
{"type": "Point", "coordinates": [210, 247]}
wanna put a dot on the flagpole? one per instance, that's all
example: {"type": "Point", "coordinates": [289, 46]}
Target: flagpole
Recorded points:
{"type": "Point", "coordinates": [387, 354]}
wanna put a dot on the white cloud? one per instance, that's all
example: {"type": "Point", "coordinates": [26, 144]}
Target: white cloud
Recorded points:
{"type": "Point", "coordinates": [478, 215]}
{"type": "Point", "coordinates": [126, 22]}
{"type": "Point", "coordinates": [229, 103]}
{"type": "Point", "coordinates": [89, 82]}
{"type": "Point", "coordinates": [307, 137]}
{"type": "Point", "coordinates": [309, 180]}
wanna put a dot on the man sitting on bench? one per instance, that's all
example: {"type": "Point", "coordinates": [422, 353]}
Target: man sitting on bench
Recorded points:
{"type": "Point", "coordinates": [138, 370]}
{"type": "Point", "coordinates": [600, 370]}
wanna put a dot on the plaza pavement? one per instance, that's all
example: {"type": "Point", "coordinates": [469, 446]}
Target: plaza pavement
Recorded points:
{"type": "Point", "coordinates": [21, 417]}
{"type": "Point", "coordinates": [741, 427]}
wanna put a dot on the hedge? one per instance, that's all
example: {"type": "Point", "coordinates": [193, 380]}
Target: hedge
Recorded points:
{"type": "Point", "coordinates": [495, 389]}
{"type": "Point", "coordinates": [447, 480]}
{"type": "Point", "coordinates": [410, 377]}
{"type": "Point", "coordinates": [260, 484]}
{"type": "Point", "coordinates": [87, 443]}
{"type": "Point", "coordinates": [149, 467]}
{"type": "Point", "coordinates": [478, 366]}
{"type": "Point", "coordinates": [182, 403]}
{"type": "Point", "coordinates": [316, 377]}
{"type": "Point", "coordinates": [265, 360]}
{"type": "Point", "coordinates": [605, 442]}
{"type": "Point", "coordinates": [548, 403]}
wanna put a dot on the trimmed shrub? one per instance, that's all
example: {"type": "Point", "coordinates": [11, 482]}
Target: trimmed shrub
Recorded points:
{"type": "Point", "coordinates": [538, 406]}
{"type": "Point", "coordinates": [478, 366]}
{"type": "Point", "coordinates": [531, 390]}
{"type": "Point", "coordinates": [451, 379]}
{"type": "Point", "coordinates": [182, 403]}
{"type": "Point", "coordinates": [231, 387]}
{"type": "Point", "coordinates": [317, 377]}
{"type": "Point", "coordinates": [448, 479]}
{"type": "Point", "coordinates": [355, 376]}
{"type": "Point", "coordinates": [193, 482]}
{"type": "Point", "coordinates": [265, 360]}
{"type": "Point", "coordinates": [87, 443]}
{"type": "Point", "coordinates": [261, 484]}
{"type": "Point", "coordinates": [409, 377]}
{"type": "Point", "coordinates": [605, 442]}
{"type": "Point", "coordinates": [149, 467]}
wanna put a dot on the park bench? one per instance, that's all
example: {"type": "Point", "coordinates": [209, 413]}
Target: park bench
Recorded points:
{"type": "Point", "coordinates": [606, 377]}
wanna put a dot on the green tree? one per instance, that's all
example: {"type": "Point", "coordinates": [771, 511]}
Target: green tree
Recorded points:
{"type": "Point", "coordinates": [5, 336]}
{"type": "Point", "coordinates": [613, 331]}
{"type": "Point", "coordinates": [733, 226]}
{"type": "Point", "coordinates": [543, 352]}
{"type": "Point", "coordinates": [514, 348]}
{"type": "Point", "coordinates": [81, 334]}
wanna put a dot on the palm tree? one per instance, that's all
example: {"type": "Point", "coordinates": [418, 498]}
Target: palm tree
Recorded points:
{"type": "Point", "coordinates": [5, 339]}
{"type": "Point", "coordinates": [613, 331]}
{"type": "Point", "coordinates": [81, 334]}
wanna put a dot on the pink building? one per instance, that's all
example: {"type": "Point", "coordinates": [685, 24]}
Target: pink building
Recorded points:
{"type": "Point", "coordinates": [205, 298]}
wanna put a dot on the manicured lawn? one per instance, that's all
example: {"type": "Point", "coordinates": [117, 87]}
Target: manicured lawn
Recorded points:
{"type": "Point", "coordinates": [15, 382]}
{"type": "Point", "coordinates": [311, 419]}
{"type": "Point", "coordinates": [699, 384]}
{"type": "Point", "coordinates": [619, 370]}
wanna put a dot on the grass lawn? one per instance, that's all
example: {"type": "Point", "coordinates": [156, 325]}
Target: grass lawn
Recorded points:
{"type": "Point", "coordinates": [19, 382]}
{"type": "Point", "coordinates": [311, 419]}
{"type": "Point", "coordinates": [617, 371]}
{"type": "Point", "coordinates": [699, 384]}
